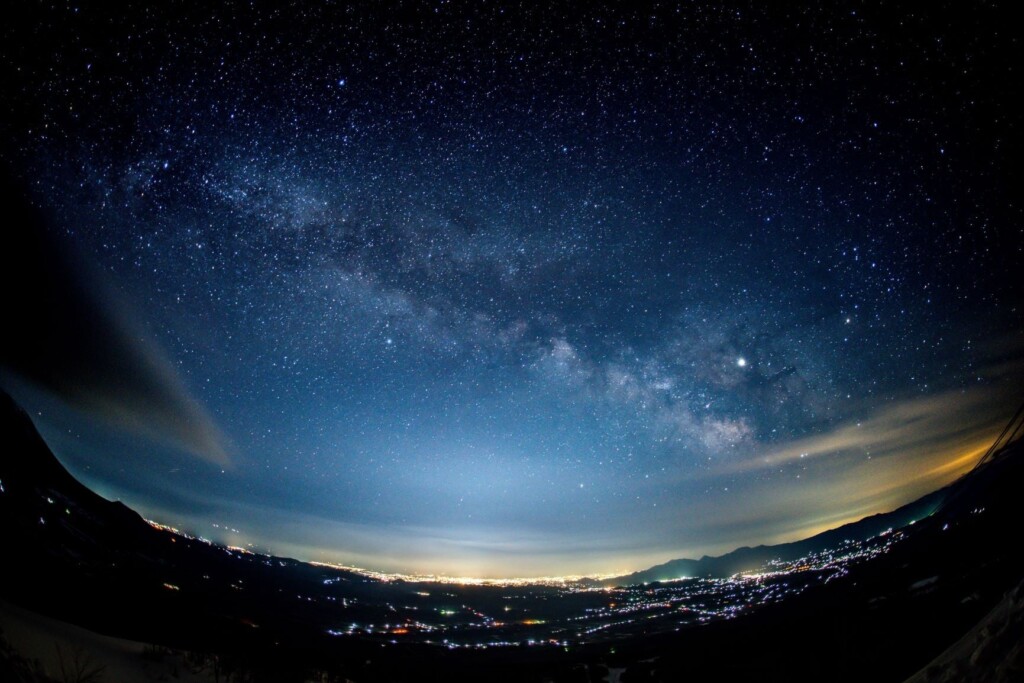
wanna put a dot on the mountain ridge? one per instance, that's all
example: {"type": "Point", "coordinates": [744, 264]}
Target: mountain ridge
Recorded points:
{"type": "Point", "coordinates": [752, 558]}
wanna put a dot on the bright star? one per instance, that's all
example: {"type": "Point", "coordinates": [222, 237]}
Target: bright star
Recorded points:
{"type": "Point", "coordinates": [742, 362]}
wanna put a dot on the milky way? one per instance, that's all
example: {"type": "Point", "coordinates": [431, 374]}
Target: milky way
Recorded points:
{"type": "Point", "coordinates": [488, 288]}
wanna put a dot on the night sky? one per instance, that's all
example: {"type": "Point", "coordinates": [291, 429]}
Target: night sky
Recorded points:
{"type": "Point", "coordinates": [491, 288]}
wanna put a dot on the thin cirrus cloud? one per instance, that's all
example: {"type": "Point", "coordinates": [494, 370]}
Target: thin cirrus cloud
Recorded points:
{"type": "Point", "coordinates": [77, 339]}
{"type": "Point", "coordinates": [912, 428]}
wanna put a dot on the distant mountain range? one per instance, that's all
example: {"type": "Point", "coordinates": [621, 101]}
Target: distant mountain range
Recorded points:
{"type": "Point", "coordinates": [956, 498]}
{"type": "Point", "coordinates": [747, 559]}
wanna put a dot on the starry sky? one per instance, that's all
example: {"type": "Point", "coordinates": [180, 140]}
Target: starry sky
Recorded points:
{"type": "Point", "coordinates": [514, 289]}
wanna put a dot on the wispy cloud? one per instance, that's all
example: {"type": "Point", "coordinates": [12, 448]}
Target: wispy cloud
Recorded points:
{"type": "Point", "coordinates": [76, 336]}
{"type": "Point", "coordinates": [905, 427]}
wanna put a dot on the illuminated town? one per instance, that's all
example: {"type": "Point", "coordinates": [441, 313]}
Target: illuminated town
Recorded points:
{"type": "Point", "coordinates": [560, 612]}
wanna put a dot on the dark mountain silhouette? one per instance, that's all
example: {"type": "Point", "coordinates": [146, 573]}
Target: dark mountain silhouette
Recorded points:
{"type": "Point", "coordinates": [951, 500]}
{"type": "Point", "coordinates": [72, 520]}
{"type": "Point", "coordinates": [75, 555]}
{"type": "Point", "coordinates": [747, 559]}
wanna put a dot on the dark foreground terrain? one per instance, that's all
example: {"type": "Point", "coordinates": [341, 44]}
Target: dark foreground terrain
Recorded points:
{"type": "Point", "coordinates": [865, 603]}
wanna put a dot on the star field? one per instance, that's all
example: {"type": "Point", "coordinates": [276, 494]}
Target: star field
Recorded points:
{"type": "Point", "coordinates": [499, 289]}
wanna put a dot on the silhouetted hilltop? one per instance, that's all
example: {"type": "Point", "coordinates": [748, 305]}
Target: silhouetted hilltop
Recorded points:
{"type": "Point", "coordinates": [747, 559]}
{"type": "Point", "coordinates": [69, 518]}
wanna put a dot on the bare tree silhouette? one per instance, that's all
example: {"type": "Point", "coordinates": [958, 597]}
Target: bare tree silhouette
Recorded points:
{"type": "Point", "coordinates": [78, 666]}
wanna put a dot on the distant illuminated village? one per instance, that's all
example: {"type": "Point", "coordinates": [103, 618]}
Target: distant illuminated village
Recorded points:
{"type": "Point", "coordinates": [559, 612]}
